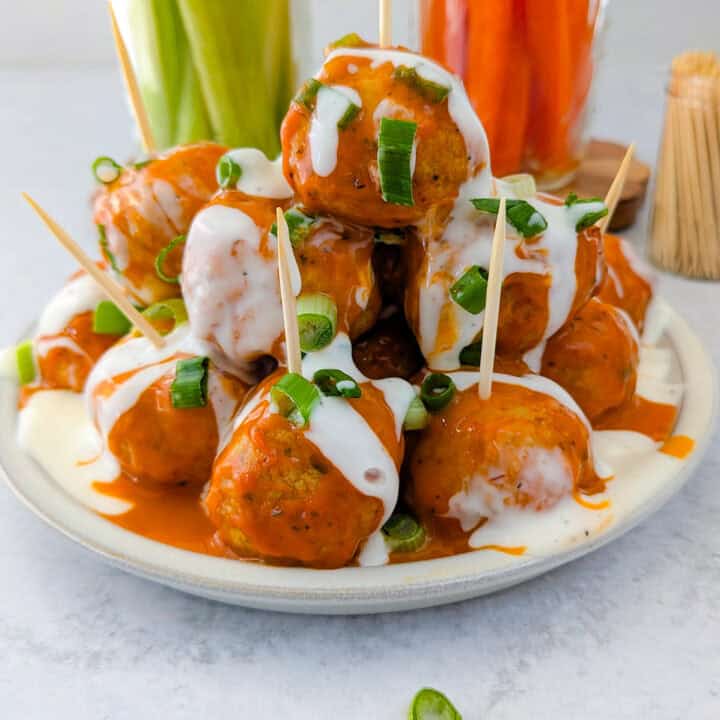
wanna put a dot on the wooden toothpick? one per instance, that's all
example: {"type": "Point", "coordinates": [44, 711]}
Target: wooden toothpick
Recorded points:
{"type": "Point", "coordinates": [108, 285]}
{"type": "Point", "coordinates": [616, 188]}
{"type": "Point", "coordinates": [131, 83]}
{"type": "Point", "coordinates": [385, 23]}
{"type": "Point", "coordinates": [492, 305]}
{"type": "Point", "coordinates": [289, 307]}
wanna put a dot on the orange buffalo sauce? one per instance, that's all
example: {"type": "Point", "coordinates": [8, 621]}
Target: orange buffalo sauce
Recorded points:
{"type": "Point", "coordinates": [679, 446]}
{"type": "Point", "coordinates": [653, 419]}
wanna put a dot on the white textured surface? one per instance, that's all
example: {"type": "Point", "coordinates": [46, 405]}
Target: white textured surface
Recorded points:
{"type": "Point", "coordinates": [630, 632]}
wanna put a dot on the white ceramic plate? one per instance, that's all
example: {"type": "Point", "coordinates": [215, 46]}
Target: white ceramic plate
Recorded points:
{"type": "Point", "coordinates": [649, 484]}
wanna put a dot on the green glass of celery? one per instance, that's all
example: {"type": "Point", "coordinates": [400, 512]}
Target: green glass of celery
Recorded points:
{"type": "Point", "coordinates": [212, 69]}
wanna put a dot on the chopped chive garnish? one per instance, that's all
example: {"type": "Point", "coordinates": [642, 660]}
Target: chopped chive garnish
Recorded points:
{"type": "Point", "coordinates": [469, 291]}
{"type": "Point", "coordinates": [25, 362]}
{"type": "Point", "coordinates": [470, 354]}
{"type": "Point", "coordinates": [437, 391]}
{"type": "Point", "coordinates": [106, 170]}
{"type": "Point", "coordinates": [394, 159]}
{"type": "Point", "coordinates": [295, 397]}
{"type": "Point", "coordinates": [168, 314]}
{"type": "Point", "coordinates": [109, 319]}
{"type": "Point", "coordinates": [403, 533]}
{"type": "Point", "coordinates": [307, 94]}
{"type": "Point", "coordinates": [430, 704]}
{"type": "Point", "coordinates": [429, 89]}
{"type": "Point", "coordinates": [162, 256]}
{"type": "Point", "coordinates": [520, 214]}
{"type": "Point", "coordinates": [336, 383]}
{"type": "Point", "coordinates": [140, 164]}
{"type": "Point", "coordinates": [317, 321]}
{"type": "Point", "coordinates": [228, 172]}
{"type": "Point", "coordinates": [416, 417]}
{"type": "Point", "coordinates": [350, 40]}
{"type": "Point", "coordinates": [189, 388]}
{"type": "Point", "coordinates": [349, 115]}
{"type": "Point", "coordinates": [299, 225]}
{"type": "Point", "coordinates": [585, 217]}
{"type": "Point", "coordinates": [105, 249]}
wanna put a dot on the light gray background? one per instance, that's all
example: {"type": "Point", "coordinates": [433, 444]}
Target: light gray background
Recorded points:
{"type": "Point", "coordinates": [630, 632]}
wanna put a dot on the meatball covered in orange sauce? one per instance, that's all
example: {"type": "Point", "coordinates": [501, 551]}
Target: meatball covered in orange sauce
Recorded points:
{"type": "Point", "coordinates": [331, 136]}
{"type": "Point", "coordinates": [595, 358]}
{"type": "Point", "coordinates": [146, 208]}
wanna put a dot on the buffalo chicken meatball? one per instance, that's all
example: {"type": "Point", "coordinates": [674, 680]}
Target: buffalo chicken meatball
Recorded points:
{"type": "Point", "coordinates": [595, 358]}
{"type": "Point", "coordinates": [142, 211]}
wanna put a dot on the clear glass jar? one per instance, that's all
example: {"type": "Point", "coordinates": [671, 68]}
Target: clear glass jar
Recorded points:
{"type": "Point", "coordinates": [528, 66]}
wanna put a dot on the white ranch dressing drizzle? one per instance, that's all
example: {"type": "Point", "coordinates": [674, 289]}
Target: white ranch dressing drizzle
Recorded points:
{"type": "Point", "coordinates": [82, 294]}
{"type": "Point", "coordinates": [260, 177]}
{"type": "Point", "coordinates": [324, 136]}
{"type": "Point", "coordinates": [167, 199]}
{"type": "Point", "coordinates": [229, 287]}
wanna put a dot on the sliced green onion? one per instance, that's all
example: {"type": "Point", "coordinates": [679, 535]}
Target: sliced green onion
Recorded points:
{"type": "Point", "coordinates": [162, 256]}
{"type": "Point", "coordinates": [520, 214]}
{"type": "Point", "coordinates": [173, 309]}
{"type": "Point", "coordinates": [430, 90]}
{"type": "Point", "coordinates": [388, 237]}
{"type": "Point", "coordinates": [522, 184]}
{"type": "Point", "coordinates": [228, 172]}
{"type": "Point", "coordinates": [416, 417]}
{"type": "Point", "coordinates": [394, 159]}
{"type": "Point", "coordinates": [140, 164]}
{"type": "Point", "coordinates": [437, 391]}
{"type": "Point", "coordinates": [189, 388]}
{"type": "Point", "coordinates": [585, 217]}
{"type": "Point", "coordinates": [25, 362]}
{"type": "Point", "coordinates": [431, 704]}
{"type": "Point", "coordinates": [317, 321]}
{"type": "Point", "coordinates": [470, 290]}
{"type": "Point", "coordinates": [336, 383]}
{"type": "Point", "coordinates": [350, 40]}
{"type": "Point", "coordinates": [105, 249]}
{"type": "Point", "coordinates": [349, 115]}
{"type": "Point", "coordinates": [307, 95]}
{"type": "Point", "coordinates": [403, 533]}
{"type": "Point", "coordinates": [298, 223]}
{"type": "Point", "coordinates": [106, 170]}
{"type": "Point", "coordinates": [109, 319]}
{"type": "Point", "coordinates": [470, 354]}
{"type": "Point", "coordinates": [295, 397]}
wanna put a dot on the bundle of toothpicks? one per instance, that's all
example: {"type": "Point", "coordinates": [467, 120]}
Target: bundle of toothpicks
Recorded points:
{"type": "Point", "coordinates": [685, 224]}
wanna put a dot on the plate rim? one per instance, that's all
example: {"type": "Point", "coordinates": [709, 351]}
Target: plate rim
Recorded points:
{"type": "Point", "coordinates": [356, 589]}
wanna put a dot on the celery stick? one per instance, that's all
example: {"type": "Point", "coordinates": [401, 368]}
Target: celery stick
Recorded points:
{"type": "Point", "coordinates": [192, 123]}
{"type": "Point", "coordinates": [238, 65]}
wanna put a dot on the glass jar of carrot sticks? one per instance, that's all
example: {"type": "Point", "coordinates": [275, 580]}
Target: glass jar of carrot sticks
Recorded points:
{"type": "Point", "coordinates": [528, 66]}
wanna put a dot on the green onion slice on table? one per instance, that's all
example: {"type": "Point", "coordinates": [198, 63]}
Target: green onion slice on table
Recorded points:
{"type": "Point", "coordinates": [520, 214]}
{"type": "Point", "coordinates": [105, 249]}
{"type": "Point", "coordinates": [162, 257]}
{"type": "Point", "coordinates": [109, 319]}
{"type": "Point", "coordinates": [395, 160]}
{"type": "Point", "coordinates": [437, 390]}
{"type": "Point", "coordinates": [228, 172]}
{"type": "Point", "coordinates": [172, 310]}
{"type": "Point", "coordinates": [336, 383]}
{"type": "Point", "coordinates": [470, 290]}
{"type": "Point", "coordinates": [317, 321]}
{"type": "Point", "coordinates": [25, 362]}
{"type": "Point", "coordinates": [430, 704]}
{"type": "Point", "coordinates": [295, 397]}
{"type": "Point", "coordinates": [106, 170]}
{"type": "Point", "coordinates": [298, 223]}
{"type": "Point", "coordinates": [585, 211]}
{"type": "Point", "coordinates": [416, 417]}
{"type": "Point", "coordinates": [433, 91]}
{"type": "Point", "coordinates": [189, 388]}
{"type": "Point", "coordinates": [403, 533]}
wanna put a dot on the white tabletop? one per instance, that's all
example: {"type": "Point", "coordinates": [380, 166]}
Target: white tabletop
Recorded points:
{"type": "Point", "coordinates": [632, 631]}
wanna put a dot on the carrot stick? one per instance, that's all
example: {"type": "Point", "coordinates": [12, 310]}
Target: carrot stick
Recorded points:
{"type": "Point", "coordinates": [548, 41]}
{"type": "Point", "coordinates": [509, 147]}
{"type": "Point", "coordinates": [433, 29]}
{"type": "Point", "coordinates": [489, 31]}
{"type": "Point", "coordinates": [456, 35]}
{"type": "Point", "coordinates": [583, 18]}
